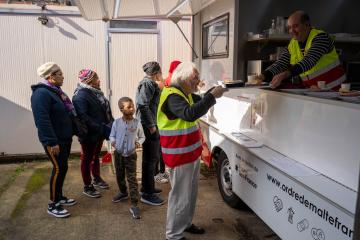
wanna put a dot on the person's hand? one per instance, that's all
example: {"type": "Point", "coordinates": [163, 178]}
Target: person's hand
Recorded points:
{"type": "Point", "coordinates": [277, 79]}
{"type": "Point", "coordinates": [137, 145]}
{"type": "Point", "coordinates": [55, 150]}
{"type": "Point", "coordinates": [152, 130]}
{"type": "Point", "coordinates": [314, 88]}
{"type": "Point", "coordinates": [218, 91]}
{"type": "Point", "coordinates": [113, 144]}
{"type": "Point", "coordinates": [201, 84]}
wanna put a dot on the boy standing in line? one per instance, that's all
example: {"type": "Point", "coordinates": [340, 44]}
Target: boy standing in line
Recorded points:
{"type": "Point", "coordinates": [126, 135]}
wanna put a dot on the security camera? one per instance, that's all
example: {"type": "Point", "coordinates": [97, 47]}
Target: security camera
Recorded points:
{"type": "Point", "coordinates": [43, 19]}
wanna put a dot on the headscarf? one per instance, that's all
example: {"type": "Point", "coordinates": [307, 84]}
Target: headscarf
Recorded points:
{"type": "Point", "coordinates": [63, 96]}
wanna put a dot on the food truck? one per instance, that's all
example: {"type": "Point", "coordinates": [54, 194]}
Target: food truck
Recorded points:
{"type": "Point", "coordinates": [291, 155]}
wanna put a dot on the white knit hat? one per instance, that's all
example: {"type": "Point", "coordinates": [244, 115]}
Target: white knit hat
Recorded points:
{"type": "Point", "coordinates": [47, 69]}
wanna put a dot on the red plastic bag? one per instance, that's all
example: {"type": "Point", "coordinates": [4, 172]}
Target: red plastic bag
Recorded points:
{"type": "Point", "coordinates": [106, 158]}
{"type": "Point", "coordinates": [206, 153]}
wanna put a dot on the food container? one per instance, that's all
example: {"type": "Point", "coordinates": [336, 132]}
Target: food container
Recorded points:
{"type": "Point", "coordinates": [234, 83]}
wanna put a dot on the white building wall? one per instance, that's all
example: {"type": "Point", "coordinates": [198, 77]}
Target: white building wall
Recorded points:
{"type": "Point", "coordinates": [70, 41]}
{"type": "Point", "coordinates": [73, 43]}
{"type": "Point", "coordinates": [215, 69]}
{"type": "Point", "coordinates": [126, 69]}
{"type": "Point", "coordinates": [173, 44]}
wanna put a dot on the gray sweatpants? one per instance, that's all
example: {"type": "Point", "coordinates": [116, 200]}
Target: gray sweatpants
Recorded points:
{"type": "Point", "coordinates": [182, 199]}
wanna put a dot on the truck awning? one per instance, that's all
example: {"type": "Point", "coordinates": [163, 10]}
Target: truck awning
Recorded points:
{"type": "Point", "coordinates": [117, 9]}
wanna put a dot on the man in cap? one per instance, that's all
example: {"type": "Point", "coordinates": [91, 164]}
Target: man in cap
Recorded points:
{"type": "Point", "coordinates": [52, 110]}
{"type": "Point", "coordinates": [147, 99]}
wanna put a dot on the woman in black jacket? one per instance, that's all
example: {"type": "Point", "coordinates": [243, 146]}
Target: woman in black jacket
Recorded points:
{"type": "Point", "coordinates": [94, 110]}
{"type": "Point", "coordinates": [53, 112]}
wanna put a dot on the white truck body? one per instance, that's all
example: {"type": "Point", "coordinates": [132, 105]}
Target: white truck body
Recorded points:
{"type": "Point", "coordinates": [293, 159]}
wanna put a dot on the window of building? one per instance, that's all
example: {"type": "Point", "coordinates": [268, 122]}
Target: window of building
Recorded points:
{"type": "Point", "coordinates": [215, 37]}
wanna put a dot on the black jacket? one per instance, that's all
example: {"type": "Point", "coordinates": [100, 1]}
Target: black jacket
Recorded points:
{"type": "Point", "coordinates": [176, 106]}
{"type": "Point", "coordinates": [147, 101]}
{"type": "Point", "coordinates": [50, 115]}
{"type": "Point", "coordinates": [93, 113]}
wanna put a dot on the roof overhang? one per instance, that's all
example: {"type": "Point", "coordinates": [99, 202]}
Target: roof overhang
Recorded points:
{"type": "Point", "coordinates": [118, 9]}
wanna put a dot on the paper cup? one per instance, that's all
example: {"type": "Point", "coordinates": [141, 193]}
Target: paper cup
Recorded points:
{"type": "Point", "coordinates": [345, 87]}
{"type": "Point", "coordinates": [321, 84]}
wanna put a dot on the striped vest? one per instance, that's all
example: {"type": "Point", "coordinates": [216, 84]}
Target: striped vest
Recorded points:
{"type": "Point", "coordinates": [180, 140]}
{"type": "Point", "coordinates": [328, 68]}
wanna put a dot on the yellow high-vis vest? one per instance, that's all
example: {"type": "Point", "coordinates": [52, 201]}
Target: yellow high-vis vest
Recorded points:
{"type": "Point", "coordinates": [327, 69]}
{"type": "Point", "coordinates": [180, 140]}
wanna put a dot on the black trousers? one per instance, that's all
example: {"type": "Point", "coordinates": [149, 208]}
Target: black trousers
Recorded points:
{"type": "Point", "coordinates": [150, 157]}
{"type": "Point", "coordinates": [60, 167]}
{"type": "Point", "coordinates": [160, 166]}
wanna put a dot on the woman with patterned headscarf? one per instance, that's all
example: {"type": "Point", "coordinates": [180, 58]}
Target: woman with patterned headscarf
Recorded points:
{"type": "Point", "coordinates": [93, 109]}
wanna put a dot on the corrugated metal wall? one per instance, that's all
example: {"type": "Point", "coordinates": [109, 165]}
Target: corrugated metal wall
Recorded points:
{"type": "Point", "coordinates": [73, 43]}
{"type": "Point", "coordinates": [128, 52]}
{"type": "Point", "coordinates": [174, 46]}
{"type": "Point", "coordinates": [126, 70]}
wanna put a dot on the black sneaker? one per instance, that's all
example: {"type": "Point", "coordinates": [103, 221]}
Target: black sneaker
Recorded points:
{"type": "Point", "coordinates": [120, 196]}
{"type": "Point", "coordinates": [151, 199]}
{"type": "Point", "coordinates": [56, 210]}
{"type": "Point", "coordinates": [64, 201]}
{"type": "Point", "coordinates": [135, 212]}
{"type": "Point", "coordinates": [99, 182]}
{"type": "Point", "coordinates": [156, 191]}
{"type": "Point", "coordinates": [90, 191]}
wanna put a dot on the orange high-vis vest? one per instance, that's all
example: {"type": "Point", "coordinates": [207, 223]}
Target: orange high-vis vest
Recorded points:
{"type": "Point", "coordinates": [180, 140]}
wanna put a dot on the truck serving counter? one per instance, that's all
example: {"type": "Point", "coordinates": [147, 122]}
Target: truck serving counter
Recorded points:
{"type": "Point", "coordinates": [292, 158]}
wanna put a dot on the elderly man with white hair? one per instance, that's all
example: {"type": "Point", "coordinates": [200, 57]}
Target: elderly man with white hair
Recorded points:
{"type": "Point", "coordinates": [177, 117]}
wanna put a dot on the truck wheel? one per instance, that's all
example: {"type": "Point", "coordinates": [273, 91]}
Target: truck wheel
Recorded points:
{"type": "Point", "coordinates": [225, 182]}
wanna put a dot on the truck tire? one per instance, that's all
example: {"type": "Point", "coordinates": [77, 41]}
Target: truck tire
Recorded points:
{"type": "Point", "coordinates": [224, 180]}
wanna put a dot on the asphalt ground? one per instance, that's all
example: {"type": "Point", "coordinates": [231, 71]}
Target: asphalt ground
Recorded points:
{"type": "Point", "coordinates": [24, 194]}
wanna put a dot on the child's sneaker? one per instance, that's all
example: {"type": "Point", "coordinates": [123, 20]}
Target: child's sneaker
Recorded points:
{"type": "Point", "coordinates": [99, 182]}
{"type": "Point", "coordinates": [56, 210]}
{"type": "Point", "coordinates": [120, 196]}
{"type": "Point", "coordinates": [161, 178]}
{"type": "Point", "coordinates": [90, 191]}
{"type": "Point", "coordinates": [64, 201]}
{"type": "Point", "coordinates": [151, 199]}
{"type": "Point", "coordinates": [135, 212]}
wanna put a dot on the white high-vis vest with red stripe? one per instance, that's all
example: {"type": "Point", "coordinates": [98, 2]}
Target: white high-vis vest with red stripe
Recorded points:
{"type": "Point", "coordinates": [180, 140]}
{"type": "Point", "coordinates": [328, 68]}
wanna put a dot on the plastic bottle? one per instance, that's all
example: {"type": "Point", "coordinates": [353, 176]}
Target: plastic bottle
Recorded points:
{"type": "Point", "coordinates": [273, 27]}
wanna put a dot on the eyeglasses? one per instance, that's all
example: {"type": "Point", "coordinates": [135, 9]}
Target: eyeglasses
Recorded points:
{"type": "Point", "coordinates": [57, 73]}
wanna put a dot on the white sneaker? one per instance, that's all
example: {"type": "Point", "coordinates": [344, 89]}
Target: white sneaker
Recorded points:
{"type": "Point", "coordinates": [161, 178]}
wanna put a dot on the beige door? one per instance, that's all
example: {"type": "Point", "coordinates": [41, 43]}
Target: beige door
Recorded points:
{"type": "Point", "coordinates": [127, 54]}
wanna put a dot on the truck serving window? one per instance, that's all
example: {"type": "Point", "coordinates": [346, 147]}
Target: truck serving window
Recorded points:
{"type": "Point", "coordinates": [215, 37]}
